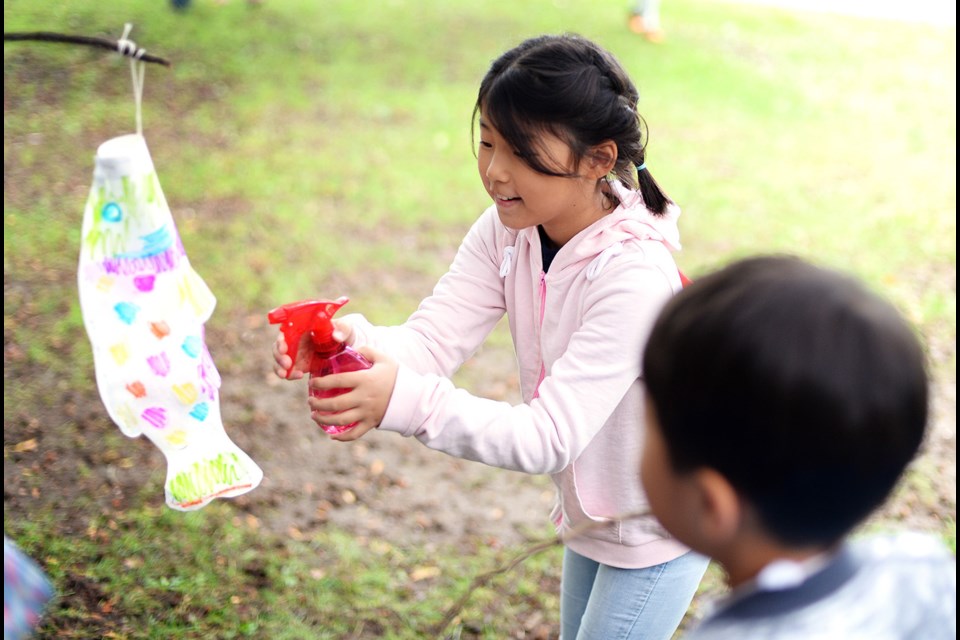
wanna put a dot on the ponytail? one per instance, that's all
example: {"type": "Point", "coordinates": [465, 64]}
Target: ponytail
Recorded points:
{"type": "Point", "coordinates": [653, 196]}
{"type": "Point", "coordinates": [632, 171]}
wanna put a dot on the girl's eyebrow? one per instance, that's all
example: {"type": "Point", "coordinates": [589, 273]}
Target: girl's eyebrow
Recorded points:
{"type": "Point", "coordinates": [482, 123]}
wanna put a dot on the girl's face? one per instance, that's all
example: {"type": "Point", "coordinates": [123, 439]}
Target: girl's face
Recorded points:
{"type": "Point", "coordinates": [526, 198]}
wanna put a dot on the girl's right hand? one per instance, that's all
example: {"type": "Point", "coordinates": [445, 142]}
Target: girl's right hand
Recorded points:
{"type": "Point", "coordinates": [342, 331]}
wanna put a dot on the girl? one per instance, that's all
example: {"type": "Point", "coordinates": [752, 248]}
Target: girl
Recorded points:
{"type": "Point", "coordinates": [576, 250]}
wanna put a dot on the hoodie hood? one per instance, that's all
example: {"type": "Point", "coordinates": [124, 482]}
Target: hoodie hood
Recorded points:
{"type": "Point", "coordinates": [631, 221]}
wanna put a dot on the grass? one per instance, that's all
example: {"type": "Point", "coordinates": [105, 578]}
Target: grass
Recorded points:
{"type": "Point", "coordinates": [332, 585]}
{"type": "Point", "coordinates": [303, 144]}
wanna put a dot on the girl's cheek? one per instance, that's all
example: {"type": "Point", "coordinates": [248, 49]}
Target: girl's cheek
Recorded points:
{"type": "Point", "coordinates": [484, 180]}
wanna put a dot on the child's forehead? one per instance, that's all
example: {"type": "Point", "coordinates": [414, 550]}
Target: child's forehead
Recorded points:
{"type": "Point", "coordinates": [536, 134]}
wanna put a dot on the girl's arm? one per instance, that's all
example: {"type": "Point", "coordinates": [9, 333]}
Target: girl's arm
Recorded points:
{"type": "Point", "coordinates": [576, 399]}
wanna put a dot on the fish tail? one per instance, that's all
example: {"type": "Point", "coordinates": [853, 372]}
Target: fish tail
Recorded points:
{"type": "Point", "coordinates": [198, 475]}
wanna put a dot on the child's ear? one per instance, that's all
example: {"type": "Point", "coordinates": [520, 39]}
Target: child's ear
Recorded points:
{"type": "Point", "coordinates": [720, 506]}
{"type": "Point", "coordinates": [601, 159]}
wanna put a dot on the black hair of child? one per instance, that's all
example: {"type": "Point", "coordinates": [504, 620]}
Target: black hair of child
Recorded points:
{"type": "Point", "coordinates": [570, 87]}
{"type": "Point", "coordinates": [807, 391]}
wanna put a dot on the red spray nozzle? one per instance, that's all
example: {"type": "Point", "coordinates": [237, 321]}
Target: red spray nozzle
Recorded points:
{"type": "Point", "coordinates": [314, 316]}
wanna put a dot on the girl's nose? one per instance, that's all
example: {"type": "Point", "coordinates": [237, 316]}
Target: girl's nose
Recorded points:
{"type": "Point", "coordinates": [495, 171]}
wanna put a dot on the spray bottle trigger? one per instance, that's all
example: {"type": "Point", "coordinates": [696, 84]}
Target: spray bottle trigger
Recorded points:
{"type": "Point", "coordinates": [314, 316]}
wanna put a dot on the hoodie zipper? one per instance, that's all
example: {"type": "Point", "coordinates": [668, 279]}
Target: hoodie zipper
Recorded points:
{"type": "Point", "coordinates": [543, 304]}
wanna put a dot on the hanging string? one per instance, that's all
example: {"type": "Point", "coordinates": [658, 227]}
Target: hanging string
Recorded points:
{"type": "Point", "coordinates": [137, 69]}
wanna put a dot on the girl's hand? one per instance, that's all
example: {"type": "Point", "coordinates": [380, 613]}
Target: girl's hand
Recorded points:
{"type": "Point", "coordinates": [365, 403]}
{"type": "Point", "coordinates": [342, 332]}
{"type": "Point", "coordinates": [282, 361]}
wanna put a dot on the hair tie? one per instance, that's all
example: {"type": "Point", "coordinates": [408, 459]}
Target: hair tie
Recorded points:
{"type": "Point", "coordinates": [641, 167]}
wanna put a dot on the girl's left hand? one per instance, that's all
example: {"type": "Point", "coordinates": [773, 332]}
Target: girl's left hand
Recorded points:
{"type": "Point", "coordinates": [366, 401]}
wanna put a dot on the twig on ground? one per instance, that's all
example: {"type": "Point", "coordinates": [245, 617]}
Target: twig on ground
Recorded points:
{"type": "Point", "coordinates": [484, 578]}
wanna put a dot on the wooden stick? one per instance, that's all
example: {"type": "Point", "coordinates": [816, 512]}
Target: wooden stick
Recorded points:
{"type": "Point", "coordinates": [483, 579]}
{"type": "Point", "coordinates": [102, 43]}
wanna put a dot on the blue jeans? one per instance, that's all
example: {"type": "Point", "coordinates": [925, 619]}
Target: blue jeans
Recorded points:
{"type": "Point", "coordinates": [605, 603]}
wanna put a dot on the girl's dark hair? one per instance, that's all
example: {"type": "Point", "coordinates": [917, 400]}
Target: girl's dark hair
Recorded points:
{"type": "Point", "coordinates": [800, 386]}
{"type": "Point", "coordinates": [569, 87]}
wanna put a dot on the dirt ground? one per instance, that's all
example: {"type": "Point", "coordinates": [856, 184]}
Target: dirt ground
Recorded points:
{"type": "Point", "coordinates": [380, 486]}
{"type": "Point", "coordinates": [383, 485]}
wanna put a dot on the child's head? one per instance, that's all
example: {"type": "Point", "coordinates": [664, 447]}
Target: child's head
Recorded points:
{"type": "Point", "coordinates": [805, 392]}
{"type": "Point", "coordinates": [568, 86]}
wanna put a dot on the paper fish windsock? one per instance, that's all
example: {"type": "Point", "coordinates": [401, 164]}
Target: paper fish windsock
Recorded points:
{"type": "Point", "coordinates": [144, 309]}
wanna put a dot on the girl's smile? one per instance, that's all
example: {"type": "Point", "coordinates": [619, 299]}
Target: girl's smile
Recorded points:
{"type": "Point", "coordinates": [505, 202]}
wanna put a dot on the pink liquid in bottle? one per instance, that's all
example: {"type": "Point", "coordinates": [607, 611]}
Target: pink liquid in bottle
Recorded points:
{"type": "Point", "coordinates": [346, 359]}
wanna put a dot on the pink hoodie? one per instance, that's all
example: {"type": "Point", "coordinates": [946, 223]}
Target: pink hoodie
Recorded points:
{"type": "Point", "coordinates": [579, 332]}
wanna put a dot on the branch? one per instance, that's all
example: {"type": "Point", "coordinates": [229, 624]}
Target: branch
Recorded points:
{"type": "Point", "coordinates": [102, 43]}
{"type": "Point", "coordinates": [483, 579]}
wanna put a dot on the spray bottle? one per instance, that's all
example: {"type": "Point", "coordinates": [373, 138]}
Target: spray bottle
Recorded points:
{"type": "Point", "coordinates": [329, 355]}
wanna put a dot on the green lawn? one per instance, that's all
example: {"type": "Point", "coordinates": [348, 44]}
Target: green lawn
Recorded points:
{"type": "Point", "coordinates": [301, 143]}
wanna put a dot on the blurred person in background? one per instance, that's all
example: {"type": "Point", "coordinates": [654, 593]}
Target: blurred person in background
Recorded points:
{"type": "Point", "coordinates": [645, 20]}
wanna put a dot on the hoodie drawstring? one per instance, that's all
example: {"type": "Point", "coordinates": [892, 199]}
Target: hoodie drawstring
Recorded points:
{"type": "Point", "coordinates": [507, 262]}
{"type": "Point", "coordinates": [595, 268]}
